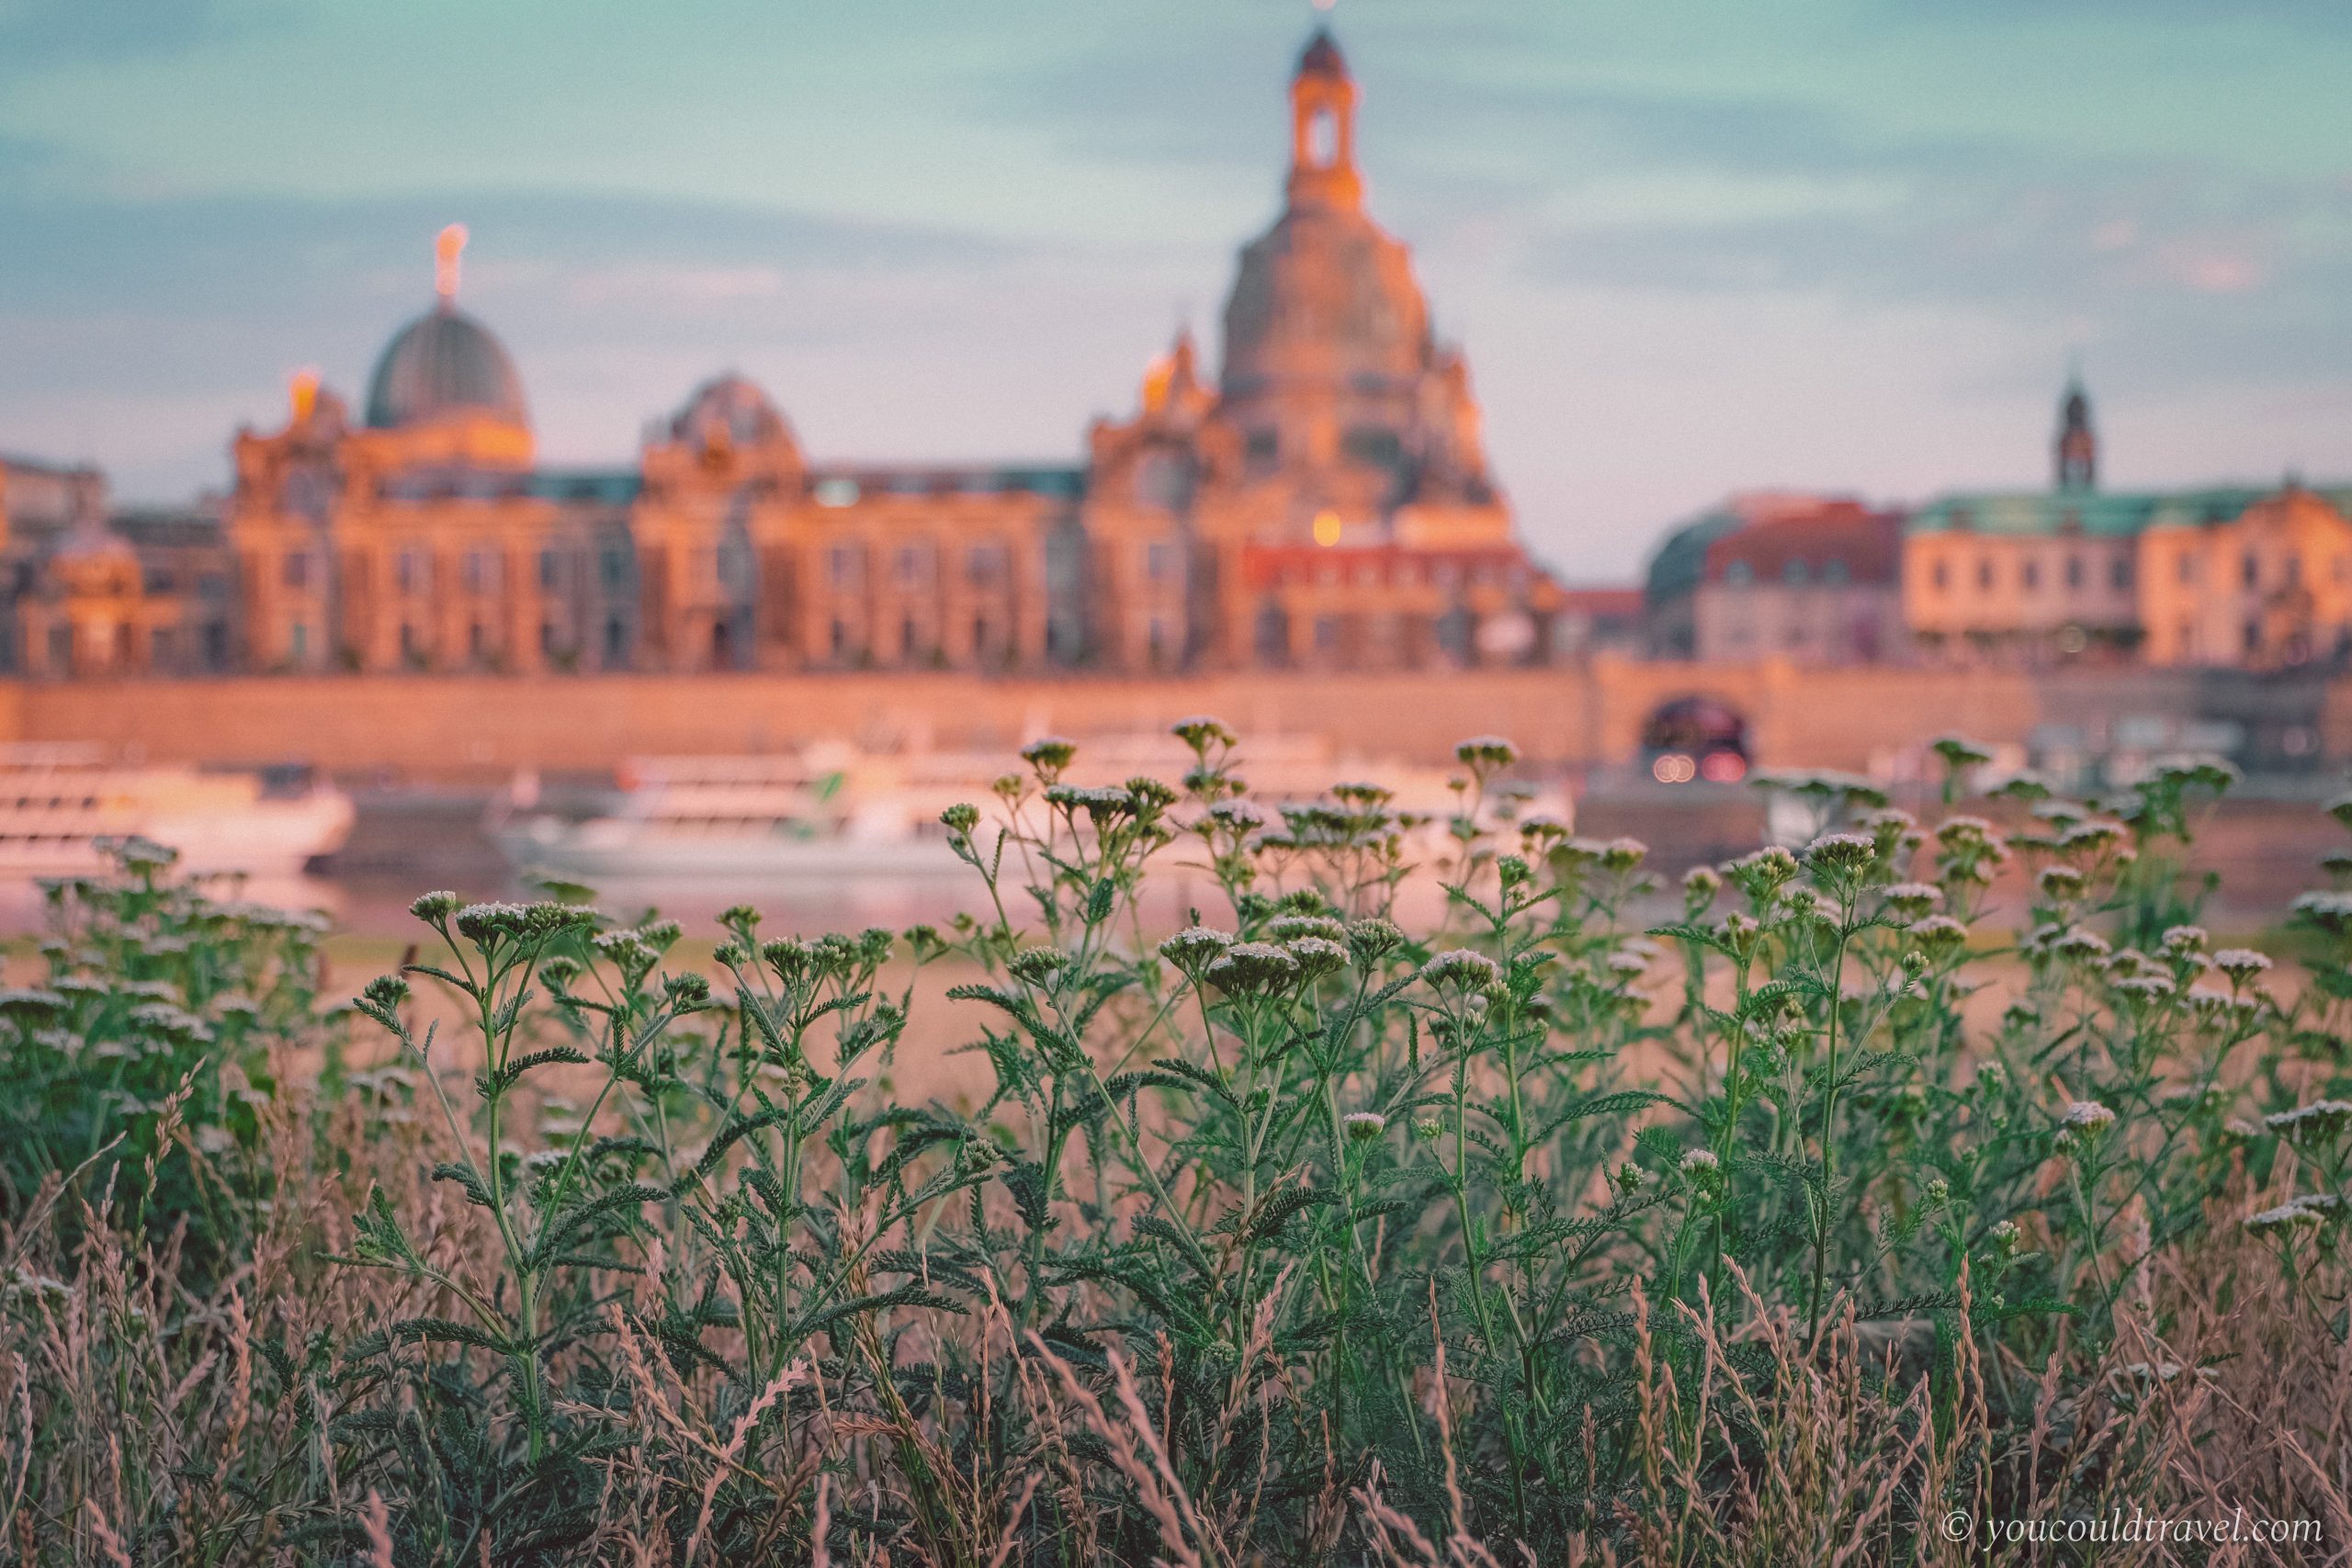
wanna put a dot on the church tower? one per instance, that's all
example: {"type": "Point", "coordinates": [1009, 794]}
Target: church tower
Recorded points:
{"type": "Point", "coordinates": [2077, 449]}
{"type": "Point", "coordinates": [1323, 129]}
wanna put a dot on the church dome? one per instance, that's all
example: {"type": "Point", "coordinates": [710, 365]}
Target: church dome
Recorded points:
{"type": "Point", "coordinates": [443, 362]}
{"type": "Point", "coordinates": [728, 411]}
{"type": "Point", "coordinates": [1324, 294]}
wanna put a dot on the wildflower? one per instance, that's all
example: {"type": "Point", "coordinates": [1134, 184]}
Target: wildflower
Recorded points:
{"type": "Point", "coordinates": [1841, 854]}
{"type": "Point", "coordinates": [1936, 1194]}
{"type": "Point", "coordinates": [2095, 835]}
{"type": "Point", "coordinates": [1699, 1162]}
{"type": "Point", "coordinates": [1200, 733]}
{"type": "Point", "coordinates": [2240, 964]}
{"type": "Point", "coordinates": [1764, 872]}
{"type": "Point", "coordinates": [2145, 987]}
{"type": "Point", "coordinates": [483, 924]}
{"type": "Point", "coordinates": [1462, 969]}
{"type": "Point", "coordinates": [686, 992]}
{"type": "Point", "coordinates": [1700, 885]}
{"type": "Point", "coordinates": [2005, 1237]}
{"type": "Point", "coordinates": [1627, 964]}
{"type": "Point", "coordinates": [1542, 830]}
{"type": "Point", "coordinates": [1622, 855]}
{"type": "Point", "coordinates": [1958, 751]}
{"type": "Point", "coordinates": [1290, 928]}
{"type": "Point", "coordinates": [1193, 950]}
{"type": "Point", "coordinates": [1486, 753]}
{"type": "Point", "coordinates": [2331, 912]}
{"type": "Point", "coordinates": [1037, 965]}
{"type": "Point", "coordinates": [1049, 754]}
{"type": "Point", "coordinates": [1362, 1126]}
{"type": "Point", "coordinates": [1961, 833]}
{"type": "Point", "coordinates": [1252, 968]}
{"type": "Point", "coordinates": [1372, 939]}
{"type": "Point", "coordinates": [2087, 1117]}
{"type": "Point", "coordinates": [960, 820]}
{"type": "Point", "coordinates": [1939, 936]}
{"type": "Point", "coordinates": [434, 908]}
{"type": "Point", "coordinates": [29, 998]}
{"type": "Point", "coordinates": [2079, 943]}
{"type": "Point", "coordinates": [2180, 940]}
{"type": "Point", "coordinates": [2285, 1217]}
{"type": "Point", "coordinates": [1991, 1077]}
{"type": "Point", "coordinates": [1429, 1129]}
{"type": "Point", "coordinates": [1912, 900]}
{"type": "Point", "coordinates": [2318, 1119]}
{"type": "Point", "coordinates": [1316, 957]}
{"type": "Point", "coordinates": [2060, 882]}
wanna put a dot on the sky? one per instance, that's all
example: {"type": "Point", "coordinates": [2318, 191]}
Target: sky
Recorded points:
{"type": "Point", "coordinates": [1690, 248]}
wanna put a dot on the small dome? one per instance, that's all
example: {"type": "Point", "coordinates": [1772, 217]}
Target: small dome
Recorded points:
{"type": "Point", "coordinates": [1322, 57]}
{"type": "Point", "coordinates": [444, 362]}
{"type": "Point", "coordinates": [728, 411]}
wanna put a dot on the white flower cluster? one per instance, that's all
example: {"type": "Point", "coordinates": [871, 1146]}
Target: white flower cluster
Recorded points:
{"type": "Point", "coordinates": [2086, 1115]}
{"type": "Point", "coordinates": [2321, 1116]}
{"type": "Point", "coordinates": [2312, 1208]}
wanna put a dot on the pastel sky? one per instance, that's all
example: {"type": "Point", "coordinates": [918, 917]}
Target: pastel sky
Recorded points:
{"type": "Point", "coordinates": [1690, 248]}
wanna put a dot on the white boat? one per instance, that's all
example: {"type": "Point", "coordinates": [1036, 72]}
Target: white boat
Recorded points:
{"type": "Point", "coordinates": [821, 813]}
{"type": "Point", "coordinates": [832, 811]}
{"type": "Point", "coordinates": [59, 803]}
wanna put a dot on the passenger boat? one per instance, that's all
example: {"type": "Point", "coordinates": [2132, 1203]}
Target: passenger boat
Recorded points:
{"type": "Point", "coordinates": [60, 805]}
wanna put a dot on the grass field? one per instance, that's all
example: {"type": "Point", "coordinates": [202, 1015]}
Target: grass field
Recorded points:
{"type": "Point", "coordinates": [1831, 1219]}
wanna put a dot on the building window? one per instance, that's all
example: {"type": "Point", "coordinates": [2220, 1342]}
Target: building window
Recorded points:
{"type": "Point", "coordinates": [840, 639]}
{"type": "Point", "coordinates": [2252, 570]}
{"type": "Point", "coordinates": [409, 652]}
{"type": "Point", "coordinates": [1327, 634]}
{"type": "Point", "coordinates": [1262, 450]}
{"type": "Point", "coordinates": [2031, 573]}
{"type": "Point", "coordinates": [297, 642]}
{"type": "Point", "coordinates": [408, 571]}
{"type": "Point", "coordinates": [1160, 560]}
{"type": "Point", "coordinates": [477, 641]}
{"type": "Point", "coordinates": [2294, 571]}
{"type": "Point", "coordinates": [914, 565]}
{"type": "Point", "coordinates": [2188, 566]}
{"type": "Point", "coordinates": [550, 570]}
{"type": "Point", "coordinates": [1792, 572]}
{"type": "Point", "coordinates": [1835, 572]}
{"type": "Point", "coordinates": [1940, 575]}
{"type": "Point", "coordinates": [298, 569]}
{"type": "Point", "coordinates": [844, 564]}
{"type": "Point", "coordinates": [1739, 574]}
{"type": "Point", "coordinates": [616, 643]}
{"type": "Point", "coordinates": [547, 638]}
{"type": "Point", "coordinates": [611, 567]}
{"type": "Point", "coordinates": [1984, 574]}
{"type": "Point", "coordinates": [2254, 637]}
{"type": "Point", "coordinates": [480, 571]}
{"type": "Point", "coordinates": [2073, 572]}
{"type": "Point", "coordinates": [2118, 572]}
{"type": "Point", "coordinates": [985, 564]}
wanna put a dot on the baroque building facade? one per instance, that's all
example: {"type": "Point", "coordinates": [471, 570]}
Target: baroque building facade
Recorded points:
{"type": "Point", "coordinates": [1321, 500]}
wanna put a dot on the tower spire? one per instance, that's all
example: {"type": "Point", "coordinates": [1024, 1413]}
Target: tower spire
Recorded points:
{"type": "Point", "coordinates": [447, 246]}
{"type": "Point", "coordinates": [1323, 127]}
{"type": "Point", "coordinates": [2077, 444]}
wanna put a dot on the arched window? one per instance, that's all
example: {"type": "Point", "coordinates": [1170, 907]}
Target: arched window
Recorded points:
{"type": "Point", "coordinates": [1322, 139]}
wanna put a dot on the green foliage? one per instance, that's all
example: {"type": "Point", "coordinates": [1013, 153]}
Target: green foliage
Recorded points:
{"type": "Point", "coordinates": [1269, 1235]}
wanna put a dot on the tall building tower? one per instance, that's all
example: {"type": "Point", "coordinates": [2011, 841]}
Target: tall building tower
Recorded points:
{"type": "Point", "coordinates": [2077, 445]}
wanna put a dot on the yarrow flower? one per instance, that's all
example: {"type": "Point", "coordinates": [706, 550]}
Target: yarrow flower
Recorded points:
{"type": "Point", "coordinates": [1365, 1126]}
{"type": "Point", "coordinates": [1700, 1162]}
{"type": "Point", "coordinates": [2086, 1116]}
{"type": "Point", "coordinates": [1939, 936]}
{"type": "Point", "coordinates": [1193, 950]}
{"type": "Point", "coordinates": [2080, 943]}
{"type": "Point", "coordinates": [2240, 964]}
{"type": "Point", "coordinates": [1463, 970]}
{"type": "Point", "coordinates": [1252, 968]}
{"type": "Point", "coordinates": [1842, 854]}
{"type": "Point", "coordinates": [2305, 1211]}
{"type": "Point", "coordinates": [1912, 900]}
{"type": "Point", "coordinates": [2318, 1119]}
